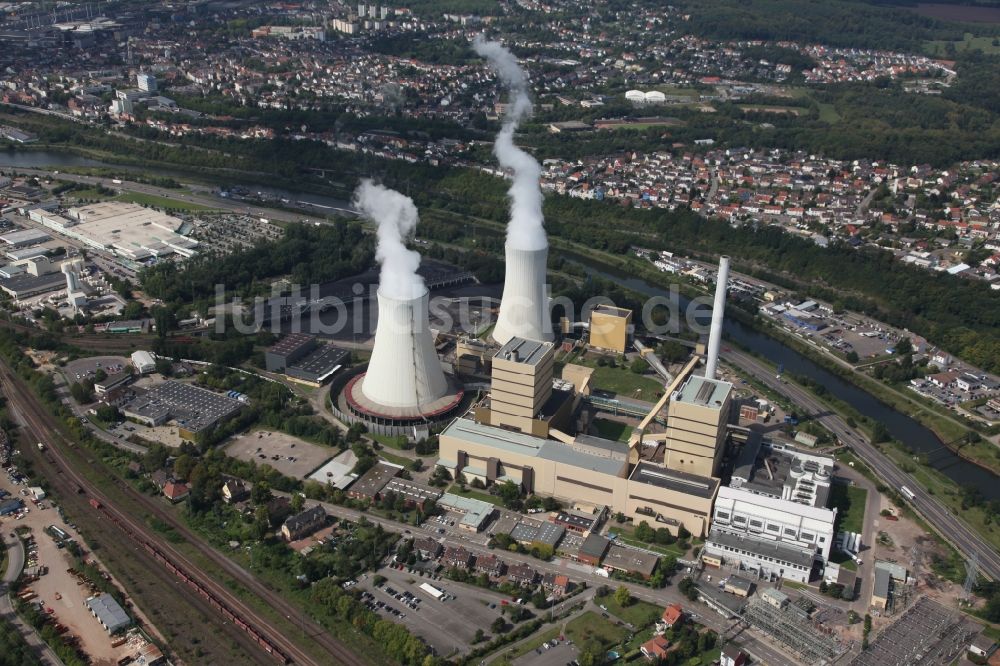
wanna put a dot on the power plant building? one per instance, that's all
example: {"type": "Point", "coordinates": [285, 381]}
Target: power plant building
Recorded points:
{"type": "Point", "coordinates": [696, 425]}
{"type": "Point", "coordinates": [610, 328]}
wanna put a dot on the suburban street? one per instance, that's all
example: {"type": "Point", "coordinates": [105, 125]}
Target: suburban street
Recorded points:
{"type": "Point", "coordinates": [943, 520]}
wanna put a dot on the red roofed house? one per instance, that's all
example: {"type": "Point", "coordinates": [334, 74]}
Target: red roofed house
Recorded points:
{"type": "Point", "coordinates": [175, 492]}
{"type": "Point", "coordinates": [655, 648]}
{"type": "Point", "coordinates": [672, 614]}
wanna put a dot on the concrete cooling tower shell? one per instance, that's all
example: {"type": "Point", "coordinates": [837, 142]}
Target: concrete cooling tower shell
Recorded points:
{"type": "Point", "coordinates": [524, 311]}
{"type": "Point", "coordinates": [404, 371]}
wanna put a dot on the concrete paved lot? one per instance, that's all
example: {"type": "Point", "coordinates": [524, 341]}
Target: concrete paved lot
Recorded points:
{"type": "Point", "coordinates": [164, 434]}
{"type": "Point", "coordinates": [448, 626]}
{"type": "Point", "coordinates": [261, 446]}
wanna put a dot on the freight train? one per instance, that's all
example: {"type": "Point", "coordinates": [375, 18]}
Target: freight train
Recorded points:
{"type": "Point", "coordinates": [217, 603]}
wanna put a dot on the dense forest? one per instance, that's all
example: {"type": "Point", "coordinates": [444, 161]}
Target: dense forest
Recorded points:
{"type": "Point", "coordinates": [837, 23]}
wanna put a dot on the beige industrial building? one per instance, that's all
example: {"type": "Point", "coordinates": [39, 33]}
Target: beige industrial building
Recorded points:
{"type": "Point", "coordinates": [609, 328]}
{"type": "Point", "coordinates": [696, 425]}
{"type": "Point", "coordinates": [521, 435]}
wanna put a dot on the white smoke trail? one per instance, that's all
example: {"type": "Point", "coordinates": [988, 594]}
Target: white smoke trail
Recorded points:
{"type": "Point", "coordinates": [524, 230]}
{"type": "Point", "coordinates": [396, 217]}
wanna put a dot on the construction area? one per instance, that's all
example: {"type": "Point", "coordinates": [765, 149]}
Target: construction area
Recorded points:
{"type": "Point", "coordinates": [927, 634]}
{"type": "Point", "coordinates": [790, 624]}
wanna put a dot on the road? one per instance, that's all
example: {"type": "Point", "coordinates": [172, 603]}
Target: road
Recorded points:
{"type": "Point", "coordinates": [752, 642]}
{"type": "Point", "coordinates": [192, 194]}
{"type": "Point", "coordinates": [61, 468]}
{"type": "Point", "coordinates": [15, 563]}
{"type": "Point", "coordinates": [940, 517]}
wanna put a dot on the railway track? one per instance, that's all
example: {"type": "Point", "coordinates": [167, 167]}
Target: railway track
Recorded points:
{"type": "Point", "coordinates": [46, 427]}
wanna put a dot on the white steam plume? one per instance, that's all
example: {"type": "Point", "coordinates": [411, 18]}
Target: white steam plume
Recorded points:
{"type": "Point", "coordinates": [396, 217]}
{"type": "Point", "coordinates": [525, 230]}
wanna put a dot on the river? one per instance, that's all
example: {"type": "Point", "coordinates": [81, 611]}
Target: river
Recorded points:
{"type": "Point", "coordinates": [316, 204]}
{"type": "Point", "coordinates": [912, 433]}
{"type": "Point", "coordinates": [907, 430]}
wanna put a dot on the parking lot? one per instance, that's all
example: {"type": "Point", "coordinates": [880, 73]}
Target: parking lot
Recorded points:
{"type": "Point", "coordinates": [289, 455]}
{"type": "Point", "coordinates": [82, 368]}
{"type": "Point", "coordinates": [563, 653]}
{"type": "Point", "coordinates": [448, 626]}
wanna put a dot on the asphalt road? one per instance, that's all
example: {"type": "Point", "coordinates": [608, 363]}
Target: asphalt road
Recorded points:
{"type": "Point", "coordinates": [939, 516]}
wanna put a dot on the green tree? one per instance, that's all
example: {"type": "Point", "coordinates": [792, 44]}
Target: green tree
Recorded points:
{"type": "Point", "coordinates": [298, 500]}
{"type": "Point", "coordinates": [261, 492]}
{"type": "Point", "coordinates": [623, 597]}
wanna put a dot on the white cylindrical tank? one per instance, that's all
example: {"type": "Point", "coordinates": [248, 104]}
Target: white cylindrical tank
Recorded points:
{"type": "Point", "coordinates": [718, 313]}
{"type": "Point", "coordinates": [404, 370]}
{"type": "Point", "coordinates": [524, 311]}
{"type": "Point", "coordinates": [72, 279]}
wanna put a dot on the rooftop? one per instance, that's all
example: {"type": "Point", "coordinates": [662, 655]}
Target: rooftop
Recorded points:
{"type": "Point", "coordinates": [682, 482]}
{"type": "Point", "coordinates": [375, 479]}
{"type": "Point", "coordinates": [109, 612]}
{"type": "Point", "coordinates": [318, 363]}
{"type": "Point", "coordinates": [527, 445]}
{"type": "Point", "coordinates": [625, 313]}
{"type": "Point", "coordinates": [704, 392]}
{"type": "Point", "coordinates": [631, 560]}
{"type": "Point", "coordinates": [476, 511]}
{"type": "Point", "coordinates": [522, 350]}
{"type": "Point", "coordinates": [290, 343]}
{"type": "Point", "coordinates": [763, 547]}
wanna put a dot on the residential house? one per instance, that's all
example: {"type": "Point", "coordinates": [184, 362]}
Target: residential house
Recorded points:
{"type": "Point", "coordinates": [427, 548]}
{"type": "Point", "coordinates": [490, 565]}
{"type": "Point", "coordinates": [672, 615]}
{"type": "Point", "coordinates": [456, 556]}
{"type": "Point", "coordinates": [176, 491]}
{"type": "Point", "coordinates": [234, 490]}
{"type": "Point", "coordinates": [732, 656]}
{"type": "Point", "coordinates": [655, 648]}
{"type": "Point", "coordinates": [303, 524]}
{"type": "Point", "coordinates": [557, 584]}
{"type": "Point", "coordinates": [521, 574]}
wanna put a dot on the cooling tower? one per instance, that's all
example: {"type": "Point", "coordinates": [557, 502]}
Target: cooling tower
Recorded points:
{"type": "Point", "coordinates": [404, 371]}
{"type": "Point", "coordinates": [718, 314]}
{"type": "Point", "coordinates": [524, 311]}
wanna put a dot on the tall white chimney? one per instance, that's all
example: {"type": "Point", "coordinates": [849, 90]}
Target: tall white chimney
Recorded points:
{"type": "Point", "coordinates": [718, 314]}
{"type": "Point", "coordinates": [524, 311]}
{"type": "Point", "coordinates": [404, 370]}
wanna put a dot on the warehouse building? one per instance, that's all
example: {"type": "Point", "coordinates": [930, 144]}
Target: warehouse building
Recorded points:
{"type": "Point", "coordinates": [288, 350]}
{"type": "Point", "coordinates": [24, 238]}
{"type": "Point", "coordinates": [108, 612]}
{"type": "Point", "coordinates": [126, 229]}
{"type": "Point", "coordinates": [193, 408]}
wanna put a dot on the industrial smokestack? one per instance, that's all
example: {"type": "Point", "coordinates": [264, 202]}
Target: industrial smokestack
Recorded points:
{"type": "Point", "coordinates": [404, 371]}
{"type": "Point", "coordinates": [524, 305]}
{"type": "Point", "coordinates": [718, 314]}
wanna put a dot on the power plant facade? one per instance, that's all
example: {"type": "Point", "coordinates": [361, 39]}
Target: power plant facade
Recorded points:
{"type": "Point", "coordinates": [524, 311]}
{"type": "Point", "coordinates": [404, 371]}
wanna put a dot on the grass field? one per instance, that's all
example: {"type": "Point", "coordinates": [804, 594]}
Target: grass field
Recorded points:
{"type": "Point", "coordinates": [614, 430]}
{"type": "Point", "coordinates": [591, 625]}
{"type": "Point", "coordinates": [386, 440]}
{"type": "Point", "coordinates": [970, 43]}
{"type": "Point", "coordinates": [90, 194]}
{"type": "Point", "coordinates": [850, 504]}
{"type": "Point", "coordinates": [395, 460]}
{"type": "Point", "coordinates": [475, 494]}
{"type": "Point", "coordinates": [626, 534]}
{"type": "Point", "coordinates": [161, 202]}
{"type": "Point", "coordinates": [828, 113]}
{"type": "Point", "coordinates": [639, 614]}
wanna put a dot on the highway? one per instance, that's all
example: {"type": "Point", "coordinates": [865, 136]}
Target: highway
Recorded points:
{"type": "Point", "coordinates": [939, 516]}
